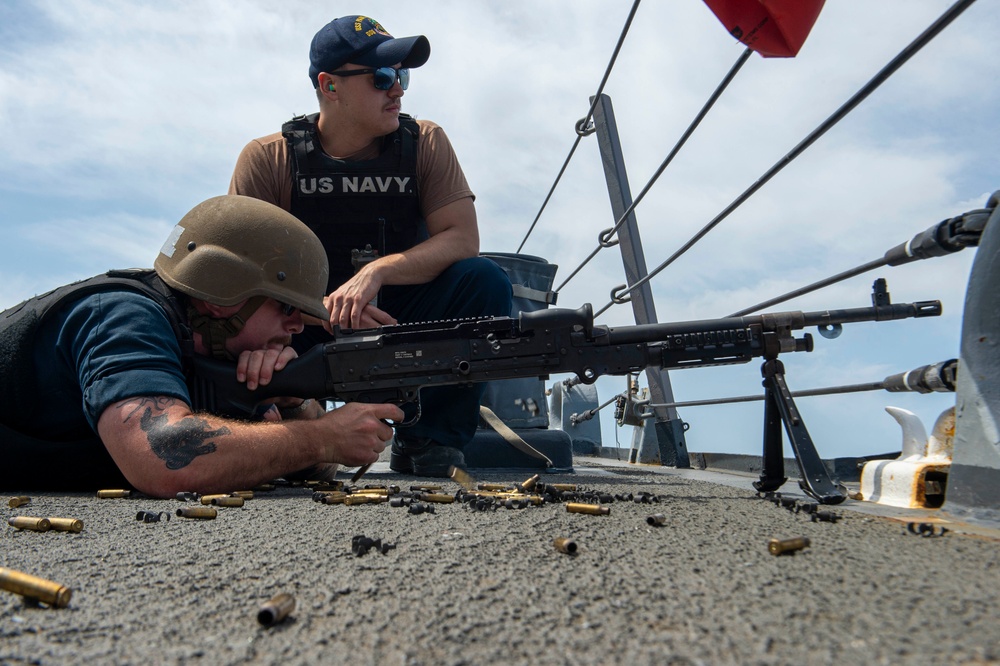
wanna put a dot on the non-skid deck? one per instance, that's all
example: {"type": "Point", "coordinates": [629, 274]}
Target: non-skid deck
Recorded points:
{"type": "Point", "coordinates": [469, 587]}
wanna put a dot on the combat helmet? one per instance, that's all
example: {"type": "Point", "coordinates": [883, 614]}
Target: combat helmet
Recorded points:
{"type": "Point", "coordinates": [233, 248]}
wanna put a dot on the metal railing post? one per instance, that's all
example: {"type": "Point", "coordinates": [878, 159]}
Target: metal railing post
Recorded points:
{"type": "Point", "coordinates": [671, 448]}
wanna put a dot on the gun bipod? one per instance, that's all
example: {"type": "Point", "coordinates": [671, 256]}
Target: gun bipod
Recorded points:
{"type": "Point", "coordinates": [779, 409]}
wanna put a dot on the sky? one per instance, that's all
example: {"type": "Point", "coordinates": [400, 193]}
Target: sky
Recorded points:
{"type": "Point", "coordinates": [117, 117]}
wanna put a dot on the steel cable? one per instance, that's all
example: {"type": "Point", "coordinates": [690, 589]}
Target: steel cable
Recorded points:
{"type": "Point", "coordinates": [663, 165]}
{"type": "Point", "coordinates": [912, 49]}
{"type": "Point", "coordinates": [582, 125]}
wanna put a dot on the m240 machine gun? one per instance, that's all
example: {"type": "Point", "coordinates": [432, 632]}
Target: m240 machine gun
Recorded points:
{"type": "Point", "coordinates": [392, 363]}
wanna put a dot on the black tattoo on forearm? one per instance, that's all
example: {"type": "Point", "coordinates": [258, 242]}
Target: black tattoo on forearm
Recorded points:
{"type": "Point", "coordinates": [178, 444]}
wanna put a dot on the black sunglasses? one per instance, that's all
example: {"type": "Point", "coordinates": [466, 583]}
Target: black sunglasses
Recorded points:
{"type": "Point", "coordinates": [286, 309]}
{"type": "Point", "coordinates": [385, 77]}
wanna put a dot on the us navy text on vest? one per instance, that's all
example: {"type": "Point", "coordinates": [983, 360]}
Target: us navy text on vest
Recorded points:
{"type": "Point", "coordinates": [339, 185]}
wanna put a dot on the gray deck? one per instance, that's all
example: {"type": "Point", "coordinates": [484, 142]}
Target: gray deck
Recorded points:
{"type": "Point", "coordinates": [465, 587]}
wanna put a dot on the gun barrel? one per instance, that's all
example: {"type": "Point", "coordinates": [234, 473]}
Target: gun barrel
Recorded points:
{"type": "Point", "coordinates": [887, 312]}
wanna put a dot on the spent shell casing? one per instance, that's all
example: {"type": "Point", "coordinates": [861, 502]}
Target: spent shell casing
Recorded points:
{"type": "Point", "coordinates": [782, 546]}
{"type": "Point", "coordinates": [334, 497]}
{"type": "Point", "coordinates": [207, 499]}
{"type": "Point", "coordinates": [561, 486]}
{"type": "Point", "coordinates": [352, 500]}
{"type": "Point", "coordinates": [33, 587]}
{"type": "Point", "coordinates": [656, 520]}
{"type": "Point", "coordinates": [199, 512]}
{"type": "Point", "coordinates": [227, 501]}
{"type": "Point", "coordinates": [494, 486]}
{"type": "Point", "coordinates": [437, 498]}
{"type": "Point", "coordinates": [66, 524]}
{"type": "Point", "coordinates": [15, 502]}
{"type": "Point", "coordinates": [276, 610]}
{"type": "Point", "coordinates": [245, 494]}
{"type": "Point", "coordinates": [264, 487]}
{"type": "Point", "coordinates": [593, 509]}
{"type": "Point", "coordinates": [370, 491]}
{"type": "Point", "coordinates": [425, 488]}
{"type": "Point", "coordinates": [461, 477]}
{"type": "Point", "coordinates": [565, 545]}
{"type": "Point", "coordinates": [29, 523]}
{"type": "Point", "coordinates": [113, 494]}
{"type": "Point", "coordinates": [529, 485]}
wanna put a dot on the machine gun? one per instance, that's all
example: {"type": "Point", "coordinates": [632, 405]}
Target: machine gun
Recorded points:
{"type": "Point", "coordinates": [392, 363]}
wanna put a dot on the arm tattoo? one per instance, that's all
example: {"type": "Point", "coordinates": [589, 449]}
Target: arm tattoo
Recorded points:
{"type": "Point", "coordinates": [180, 443]}
{"type": "Point", "coordinates": [177, 444]}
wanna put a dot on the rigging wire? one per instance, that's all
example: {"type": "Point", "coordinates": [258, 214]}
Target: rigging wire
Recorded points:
{"type": "Point", "coordinates": [832, 390]}
{"type": "Point", "coordinates": [583, 126]}
{"type": "Point", "coordinates": [606, 235]}
{"type": "Point", "coordinates": [912, 49]}
{"type": "Point", "coordinates": [576, 419]}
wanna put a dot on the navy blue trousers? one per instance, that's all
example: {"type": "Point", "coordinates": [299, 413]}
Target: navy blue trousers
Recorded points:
{"type": "Point", "coordinates": [474, 287]}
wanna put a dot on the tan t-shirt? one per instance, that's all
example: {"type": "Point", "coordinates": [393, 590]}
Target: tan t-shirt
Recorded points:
{"type": "Point", "coordinates": [264, 170]}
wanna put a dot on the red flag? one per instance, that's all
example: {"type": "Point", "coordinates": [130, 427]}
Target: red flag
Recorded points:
{"type": "Point", "coordinates": [772, 28]}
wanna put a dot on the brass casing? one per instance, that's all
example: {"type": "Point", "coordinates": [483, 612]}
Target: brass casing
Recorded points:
{"type": "Point", "coordinates": [352, 500]}
{"type": "Point", "coordinates": [565, 545]}
{"type": "Point", "coordinates": [656, 520]}
{"type": "Point", "coordinates": [780, 546]}
{"type": "Point", "coordinates": [276, 610]}
{"type": "Point", "coordinates": [207, 499]}
{"type": "Point", "coordinates": [461, 477]}
{"type": "Point", "coordinates": [264, 487]}
{"type": "Point", "coordinates": [15, 502]}
{"type": "Point", "coordinates": [34, 587]}
{"type": "Point", "coordinates": [561, 486]}
{"type": "Point", "coordinates": [29, 523]}
{"type": "Point", "coordinates": [494, 486]}
{"type": "Point", "coordinates": [437, 498]}
{"type": "Point", "coordinates": [201, 512]}
{"type": "Point", "coordinates": [66, 524]}
{"type": "Point", "coordinates": [370, 491]}
{"type": "Point", "coordinates": [113, 494]}
{"type": "Point", "coordinates": [334, 497]}
{"type": "Point", "coordinates": [227, 501]}
{"type": "Point", "coordinates": [245, 494]}
{"type": "Point", "coordinates": [593, 509]}
{"type": "Point", "coordinates": [529, 485]}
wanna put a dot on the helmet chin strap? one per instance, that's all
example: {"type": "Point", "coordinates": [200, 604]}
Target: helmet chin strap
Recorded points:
{"type": "Point", "coordinates": [216, 330]}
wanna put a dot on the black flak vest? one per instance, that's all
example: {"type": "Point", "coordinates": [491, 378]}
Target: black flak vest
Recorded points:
{"type": "Point", "coordinates": [353, 205]}
{"type": "Point", "coordinates": [19, 326]}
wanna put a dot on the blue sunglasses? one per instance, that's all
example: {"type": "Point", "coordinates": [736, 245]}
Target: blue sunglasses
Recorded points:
{"type": "Point", "coordinates": [385, 77]}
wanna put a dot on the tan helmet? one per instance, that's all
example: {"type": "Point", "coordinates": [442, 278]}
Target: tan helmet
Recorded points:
{"type": "Point", "coordinates": [230, 248]}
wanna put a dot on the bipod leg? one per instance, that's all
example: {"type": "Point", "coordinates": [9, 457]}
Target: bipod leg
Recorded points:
{"type": "Point", "coordinates": [772, 473]}
{"type": "Point", "coordinates": [815, 480]}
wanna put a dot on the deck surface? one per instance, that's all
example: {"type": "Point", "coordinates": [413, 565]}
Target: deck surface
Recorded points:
{"type": "Point", "coordinates": [464, 587]}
